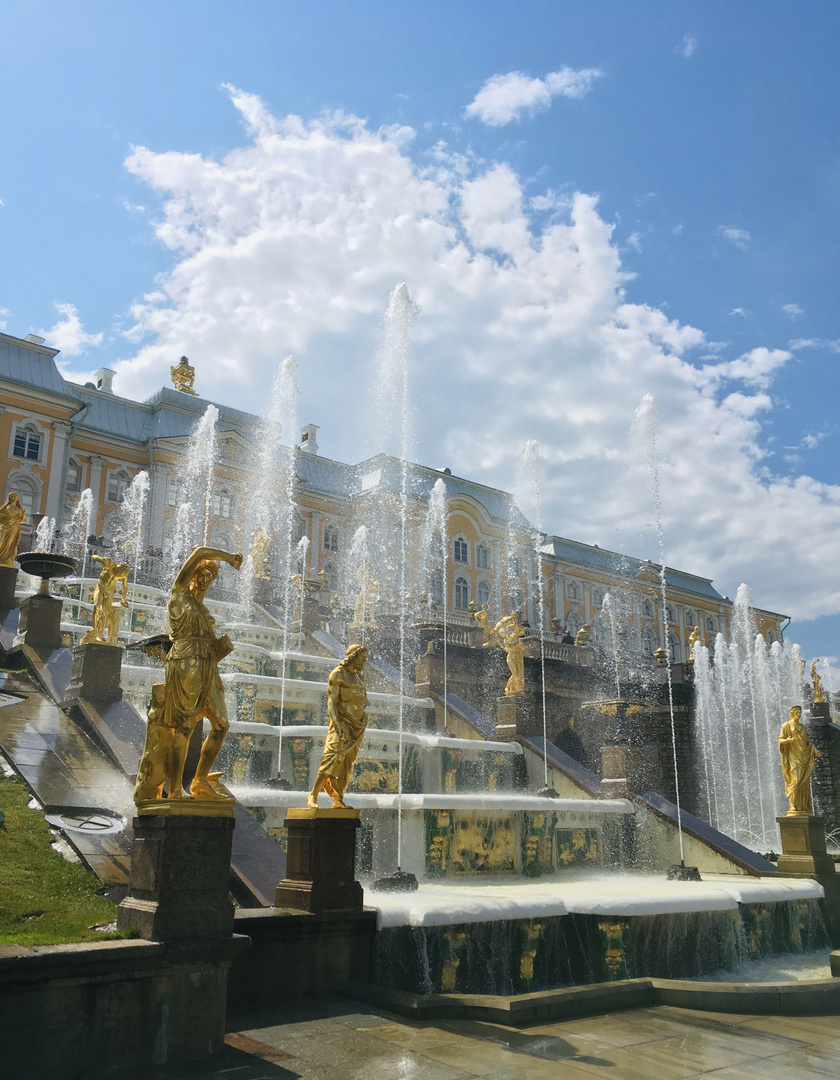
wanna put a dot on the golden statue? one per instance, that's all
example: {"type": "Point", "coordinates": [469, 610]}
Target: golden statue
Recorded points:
{"type": "Point", "coordinates": [817, 681]}
{"type": "Point", "coordinates": [365, 600]}
{"type": "Point", "coordinates": [490, 638]}
{"type": "Point", "coordinates": [259, 555]}
{"type": "Point", "coordinates": [346, 705]}
{"type": "Point", "coordinates": [511, 631]}
{"type": "Point", "coordinates": [798, 755]}
{"type": "Point", "coordinates": [582, 636]}
{"type": "Point", "coordinates": [12, 516]}
{"type": "Point", "coordinates": [192, 690]}
{"type": "Point", "coordinates": [183, 376]}
{"type": "Point", "coordinates": [107, 607]}
{"type": "Point", "coordinates": [694, 638]}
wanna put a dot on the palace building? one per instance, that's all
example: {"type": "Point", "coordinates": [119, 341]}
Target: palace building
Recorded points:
{"type": "Point", "coordinates": [63, 438]}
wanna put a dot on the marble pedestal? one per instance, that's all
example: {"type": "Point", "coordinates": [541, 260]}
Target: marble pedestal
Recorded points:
{"type": "Point", "coordinates": [8, 582]}
{"type": "Point", "coordinates": [95, 674]}
{"type": "Point", "coordinates": [804, 855]}
{"type": "Point", "coordinates": [515, 715]}
{"type": "Point", "coordinates": [39, 625]}
{"type": "Point", "coordinates": [180, 875]}
{"type": "Point", "coordinates": [320, 862]}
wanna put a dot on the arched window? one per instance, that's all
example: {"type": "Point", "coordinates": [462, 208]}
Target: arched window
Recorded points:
{"type": "Point", "coordinates": [647, 609]}
{"type": "Point", "coordinates": [670, 614]}
{"type": "Point", "coordinates": [175, 491]}
{"type": "Point", "coordinates": [690, 618]}
{"type": "Point", "coordinates": [517, 601]}
{"type": "Point", "coordinates": [27, 442]}
{"type": "Point", "coordinates": [74, 475]}
{"type": "Point", "coordinates": [771, 637]}
{"type": "Point", "coordinates": [330, 538]}
{"type": "Point", "coordinates": [482, 557]}
{"type": "Point", "coordinates": [483, 593]}
{"type": "Point", "coordinates": [710, 625]}
{"type": "Point", "coordinates": [462, 594]}
{"type": "Point", "coordinates": [516, 565]}
{"type": "Point", "coordinates": [676, 648]}
{"type": "Point", "coordinates": [573, 591]}
{"type": "Point", "coordinates": [597, 598]}
{"type": "Point", "coordinates": [436, 588]}
{"type": "Point", "coordinates": [573, 622]}
{"type": "Point", "coordinates": [461, 550]}
{"type": "Point", "coordinates": [331, 570]}
{"type": "Point", "coordinates": [118, 482]}
{"type": "Point", "coordinates": [648, 644]}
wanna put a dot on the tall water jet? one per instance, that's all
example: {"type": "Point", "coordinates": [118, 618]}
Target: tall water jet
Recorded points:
{"type": "Point", "coordinates": [201, 459]}
{"type": "Point", "coordinates": [434, 546]}
{"type": "Point", "coordinates": [394, 412]}
{"type": "Point", "coordinates": [647, 432]}
{"type": "Point", "coordinates": [78, 528]}
{"type": "Point", "coordinates": [45, 534]}
{"type": "Point", "coordinates": [743, 692]}
{"type": "Point", "coordinates": [528, 488]}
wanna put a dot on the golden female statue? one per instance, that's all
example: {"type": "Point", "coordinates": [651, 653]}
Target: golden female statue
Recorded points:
{"type": "Point", "coordinates": [817, 681]}
{"type": "Point", "coordinates": [798, 755]}
{"type": "Point", "coordinates": [346, 705]}
{"type": "Point", "coordinates": [106, 622]}
{"type": "Point", "coordinates": [511, 631]}
{"type": "Point", "coordinates": [12, 516]}
{"type": "Point", "coordinates": [192, 690]}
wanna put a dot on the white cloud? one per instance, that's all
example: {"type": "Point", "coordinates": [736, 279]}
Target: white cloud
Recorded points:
{"type": "Point", "coordinates": [815, 343]}
{"type": "Point", "coordinates": [740, 311]}
{"type": "Point", "coordinates": [688, 46]}
{"type": "Point", "coordinates": [68, 334]}
{"type": "Point", "coordinates": [678, 229]}
{"type": "Point", "coordinates": [3, 311]}
{"type": "Point", "coordinates": [293, 242]}
{"type": "Point", "coordinates": [635, 241]}
{"type": "Point", "coordinates": [739, 237]}
{"type": "Point", "coordinates": [506, 97]}
{"type": "Point", "coordinates": [793, 311]}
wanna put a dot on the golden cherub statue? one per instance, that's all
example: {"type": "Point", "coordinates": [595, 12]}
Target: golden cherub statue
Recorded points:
{"type": "Point", "coordinates": [183, 376]}
{"type": "Point", "coordinates": [193, 689]}
{"type": "Point", "coordinates": [510, 632]}
{"type": "Point", "coordinates": [817, 681]}
{"type": "Point", "coordinates": [12, 516]}
{"type": "Point", "coordinates": [798, 756]}
{"type": "Point", "coordinates": [347, 718]}
{"type": "Point", "coordinates": [107, 606]}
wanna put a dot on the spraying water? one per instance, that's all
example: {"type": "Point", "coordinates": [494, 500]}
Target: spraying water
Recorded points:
{"type": "Point", "coordinates": [45, 534]}
{"type": "Point", "coordinates": [200, 462]}
{"type": "Point", "coordinates": [645, 425]}
{"type": "Point", "coordinates": [78, 529]}
{"type": "Point", "coordinates": [435, 546]}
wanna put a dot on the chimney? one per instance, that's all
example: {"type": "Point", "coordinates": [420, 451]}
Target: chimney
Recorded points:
{"type": "Point", "coordinates": [309, 439]}
{"type": "Point", "coordinates": [104, 378]}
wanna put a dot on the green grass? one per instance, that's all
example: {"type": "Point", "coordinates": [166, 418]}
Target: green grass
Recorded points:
{"type": "Point", "coordinates": [44, 900]}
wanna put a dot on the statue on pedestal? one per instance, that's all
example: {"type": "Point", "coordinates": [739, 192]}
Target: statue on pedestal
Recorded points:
{"type": "Point", "coordinates": [192, 690]}
{"type": "Point", "coordinates": [347, 716]}
{"type": "Point", "coordinates": [106, 605]}
{"type": "Point", "coordinates": [798, 756]}
{"type": "Point", "coordinates": [12, 516]}
{"type": "Point", "coordinates": [694, 638]}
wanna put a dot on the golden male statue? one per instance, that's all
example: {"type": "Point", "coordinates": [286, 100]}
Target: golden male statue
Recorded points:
{"type": "Point", "coordinates": [798, 756]}
{"type": "Point", "coordinates": [105, 620]}
{"type": "Point", "coordinates": [511, 631]}
{"type": "Point", "coordinates": [346, 705]}
{"type": "Point", "coordinates": [12, 516]}
{"type": "Point", "coordinates": [192, 690]}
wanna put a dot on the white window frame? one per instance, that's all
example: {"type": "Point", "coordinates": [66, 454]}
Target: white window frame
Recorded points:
{"type": "Point", "coordinates": [31, 425]}
{"type": "Point", "coordinates": [461, 546]}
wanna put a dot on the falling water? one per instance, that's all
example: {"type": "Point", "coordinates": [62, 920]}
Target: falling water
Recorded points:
{"type": "Point", "coordinates": [359, 562]}
{"type": "Point", "coordinates": [608, 607]}
{"type": "Point", "coordinates": [394, 409]}
{"type": "Point", "coordinates": [743, 692]}
{"type": "Point", "coordinates": [528, 486]}
{"type": "Point", "coordinates": [45, 534]}
{"type": "Point", "coordinates": [200, 462]}
{"type": "Point", "coordinates": [129, 533]}
{"type": "Point", "coordinates": [435, 547]}
{"type": "Point", "coordinates": [645, 425]}
{"type": "Point", "coordinates": [78, 529]}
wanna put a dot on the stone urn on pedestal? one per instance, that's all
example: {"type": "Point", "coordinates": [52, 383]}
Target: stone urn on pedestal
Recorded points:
{"type": "Point", "coordinates": [40, 614]}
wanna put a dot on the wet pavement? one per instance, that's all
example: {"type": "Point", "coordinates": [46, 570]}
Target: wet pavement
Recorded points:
{"type": "Point", "coordinates": [345, 1040]}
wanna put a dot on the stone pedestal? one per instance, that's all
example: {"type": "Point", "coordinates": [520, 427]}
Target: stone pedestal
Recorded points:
{"type": "Point", "coordinates": [8, 582]}
{"type": "Point", "coordinates": [820, 712]}
{"type": "Point", "coordinates": [39, 625]}
{"type": "Point", "coordinates": [626, 768]}
{"type": "Point", "coordinates": [515, 715]}
{"type": "Point", "coordinates": [95, 674]}
{"type": "Point", "coordinates": [320, 862]}
{"type": "Point", "coordinates": [180, 876]}
{"type": "Point", "coordinates": [804, 855]}
{"type": "Point", "coordinates": [310, 614]}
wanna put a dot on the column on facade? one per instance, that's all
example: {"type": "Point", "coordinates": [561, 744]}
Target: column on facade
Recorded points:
{"type": "Point", "coordinates": [55, 494]}
{"type": "Point", "coordinates": [97, 461]}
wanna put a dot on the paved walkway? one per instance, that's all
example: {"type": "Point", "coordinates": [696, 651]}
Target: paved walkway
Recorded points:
{"type": "Point", "coordinates": [344, 1040]}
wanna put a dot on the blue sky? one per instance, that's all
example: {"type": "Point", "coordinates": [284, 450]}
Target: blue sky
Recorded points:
{"type": "Point", "coordinates": [589, 201]}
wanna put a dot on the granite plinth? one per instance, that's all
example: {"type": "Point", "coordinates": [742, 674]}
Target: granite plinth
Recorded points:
{"type": "Point", "coordinates": [180, 879]}
{"type": "Point", "coordinates": [95, 674]}
{"type": "Point", "coordinates": [320, 862]}
{"type": "Point", "coordinates": [515, 715]}
{"type": "Point", "coordinates": [39, 625]}
{"type": "Point", "coordinates": [820, 712]}
{"type": "Point", "coordinates": [8, 582]}
{"type": "Point", "coordinates": [804, 855]}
